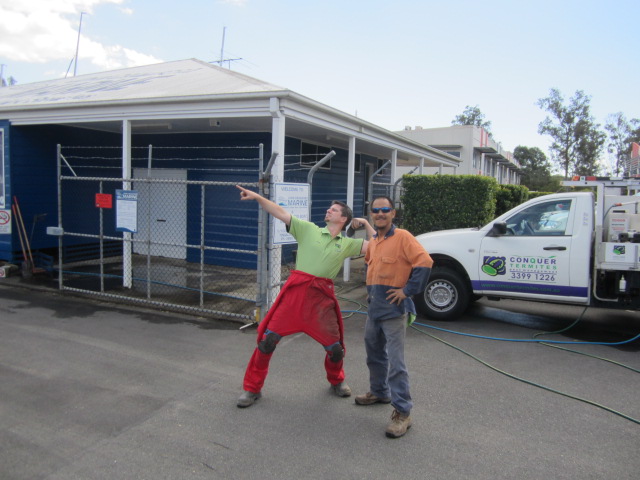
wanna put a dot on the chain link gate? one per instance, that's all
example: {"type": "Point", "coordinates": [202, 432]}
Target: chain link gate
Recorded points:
{"type": "Point", "coordinates": [196, 248]}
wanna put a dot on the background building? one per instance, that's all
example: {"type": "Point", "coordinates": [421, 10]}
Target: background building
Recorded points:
{"type": "Point", "coordinates": [478, 152]}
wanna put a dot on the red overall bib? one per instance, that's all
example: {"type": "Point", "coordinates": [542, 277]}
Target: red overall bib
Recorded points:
{"type": "Point", "coordinates": [305, 304]}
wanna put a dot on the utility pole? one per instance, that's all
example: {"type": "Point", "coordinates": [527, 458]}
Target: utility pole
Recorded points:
{"type": "Point", "coordinates": [75, 63]}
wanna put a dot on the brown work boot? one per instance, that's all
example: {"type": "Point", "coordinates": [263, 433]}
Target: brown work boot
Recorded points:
{"type": "Point", "coordinates": [369, 399]}
{"type": "Point", "coordinates": [398, 425]}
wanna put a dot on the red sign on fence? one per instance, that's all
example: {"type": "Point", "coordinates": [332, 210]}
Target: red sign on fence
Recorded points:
{"type": "Point", "coordinates": [104, 200]}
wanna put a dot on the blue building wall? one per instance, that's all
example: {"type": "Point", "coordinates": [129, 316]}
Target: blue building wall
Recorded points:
{"type": "Point", "coordinates": [32, 179]}
{"type": "Point", "coordinates": [30, 175]}
{"type": "Point", "coordinates": [5, 239]}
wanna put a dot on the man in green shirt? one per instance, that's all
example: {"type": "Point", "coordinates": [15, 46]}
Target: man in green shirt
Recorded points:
{"type": "Point", "coordinates": [307, 301]}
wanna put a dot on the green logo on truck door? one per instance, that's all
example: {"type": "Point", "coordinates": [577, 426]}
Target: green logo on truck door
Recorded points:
{"type": "Point", "coordinates": [494, 266]}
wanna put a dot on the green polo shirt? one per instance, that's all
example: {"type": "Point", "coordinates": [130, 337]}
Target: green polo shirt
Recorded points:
{"type": "Point", "coordinates": [318, 253]}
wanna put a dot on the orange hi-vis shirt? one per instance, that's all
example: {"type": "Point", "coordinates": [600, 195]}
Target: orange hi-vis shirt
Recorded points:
{"type": "Point", "coordinates": [395, 261]}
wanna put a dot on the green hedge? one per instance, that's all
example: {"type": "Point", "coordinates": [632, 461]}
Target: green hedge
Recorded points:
{"type": "Point", "coordinates": [538, 194]}
{"type": "Point", "coordinates": [509, 196]}
{"type": "Point", "coordinates": [441, 202]}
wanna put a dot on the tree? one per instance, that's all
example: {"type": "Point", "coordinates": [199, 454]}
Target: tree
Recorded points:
{"type": "Point", "coordinates": [535, 168]}
{"type": "Point", "coordinates": [472, 116]}
{"type": "Point", "coordinates": [620, 137]}
{"type": "Point", "coordinates": [634, 136]}
{"type": "Point", "coordinates": [577, 140]}
{"type": "Point", "coordinates": [589, 152]}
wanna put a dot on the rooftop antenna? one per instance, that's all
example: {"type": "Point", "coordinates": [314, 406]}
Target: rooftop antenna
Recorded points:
{"type": "Point", "coordinates": [224, 31]}
{"type": "Point", "coordinates": [75, 63]}
{"type": "Point", "coordinates": [222, 59]}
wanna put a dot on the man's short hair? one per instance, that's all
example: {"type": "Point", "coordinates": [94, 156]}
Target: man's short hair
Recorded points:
{"type": "Point", "coordinates": [346, 212]}
{"type": "Point", "coordinates": [384, 197]}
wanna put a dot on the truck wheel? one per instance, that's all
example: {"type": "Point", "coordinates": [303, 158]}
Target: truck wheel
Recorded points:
{"type": "Point", "coordinates": [445, 297]}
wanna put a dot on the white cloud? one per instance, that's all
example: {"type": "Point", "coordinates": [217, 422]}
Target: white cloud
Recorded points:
{"type": "Point", "coordinates": [40, 31]}
{"type": "Point", "coordinates": [110, 57]}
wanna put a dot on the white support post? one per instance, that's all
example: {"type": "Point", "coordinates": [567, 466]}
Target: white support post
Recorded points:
{"type": "Point", "coordinates": [277, 175]}
{"type": "Point", "coordinates": [351, 167]}
{"type": "Point", "coordinates": [127, 269]}
{"type": "Point", "coordinates": [421, 168]}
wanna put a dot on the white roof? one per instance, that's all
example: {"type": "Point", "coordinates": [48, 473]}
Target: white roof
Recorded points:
{"type": "Point", "coordinates": [171, 80]}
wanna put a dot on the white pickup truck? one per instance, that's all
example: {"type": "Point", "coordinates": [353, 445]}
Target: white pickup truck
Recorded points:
{"type": "Point", "coordinates": [578, 248]}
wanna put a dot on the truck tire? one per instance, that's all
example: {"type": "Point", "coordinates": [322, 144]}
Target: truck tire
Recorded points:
{"type": "Point", "coordinates": [446, 296]}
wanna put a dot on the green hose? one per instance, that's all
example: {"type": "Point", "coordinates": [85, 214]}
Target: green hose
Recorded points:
{"type": "Point", "coordinates": [549, 389]}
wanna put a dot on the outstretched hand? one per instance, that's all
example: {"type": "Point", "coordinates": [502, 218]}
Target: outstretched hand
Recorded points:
{"type": "Point", "coordinates": [246, 194]}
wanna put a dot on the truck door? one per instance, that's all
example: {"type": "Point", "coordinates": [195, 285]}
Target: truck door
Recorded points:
{"type": "Point", "coordinates": [534, 259]}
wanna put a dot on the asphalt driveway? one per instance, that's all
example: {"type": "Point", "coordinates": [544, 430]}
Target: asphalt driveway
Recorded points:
{"type": "Point", "coordinates": [89, 390]}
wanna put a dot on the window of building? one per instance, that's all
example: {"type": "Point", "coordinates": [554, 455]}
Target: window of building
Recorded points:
{"type": "Point", "coordinates": [311, 154]}
{"type": "Point", "coordinates": [455, 153]}
{"type": "Point", "coordinates": [476, 161]}
{"type": "Point", "coordinates": [381, 162]}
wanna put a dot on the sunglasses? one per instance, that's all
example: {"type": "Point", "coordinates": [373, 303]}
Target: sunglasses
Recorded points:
{"type": "Point", "coordinates": [381, 209]}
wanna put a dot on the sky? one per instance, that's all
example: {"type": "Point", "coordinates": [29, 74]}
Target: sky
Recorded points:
{"type": "Point", "coordinates": [393, 63]}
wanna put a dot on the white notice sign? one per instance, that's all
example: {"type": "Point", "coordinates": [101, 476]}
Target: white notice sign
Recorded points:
{"type": "Point", "coordinates": [127, 211]}
{"type": "Point", "coordinates": [294, 198]}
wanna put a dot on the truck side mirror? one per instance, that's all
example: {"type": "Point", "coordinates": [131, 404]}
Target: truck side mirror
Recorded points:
{"type": "Point", "coordinates": [498, 229]}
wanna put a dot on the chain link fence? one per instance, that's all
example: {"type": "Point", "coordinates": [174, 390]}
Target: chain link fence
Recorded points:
{"type": "Point", "coordinates": [190, 243]}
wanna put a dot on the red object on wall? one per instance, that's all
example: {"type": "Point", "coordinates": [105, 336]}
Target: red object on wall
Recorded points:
{"type": "Point", "coordinates": [104, 200]}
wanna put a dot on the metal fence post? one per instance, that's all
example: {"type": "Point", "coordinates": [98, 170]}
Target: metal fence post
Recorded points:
{"type": "Point", "coordinates": [260, 262]}
{"type": "Point", "coordinates": [59, 173]}
{"type": "Point", "coordinates": [202, 240]}
{"type": "Point", "coordinates": [148, 192]}
{"type": "Point", "coordinates": [101, 241]}
{"type": "Point", "coordinates": [263, 303]}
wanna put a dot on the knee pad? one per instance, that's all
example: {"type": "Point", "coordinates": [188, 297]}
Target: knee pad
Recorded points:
{"type": "Point", "coordinates": [268, 343]}
{"type": "Point", "coordinates": [336, 353]}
